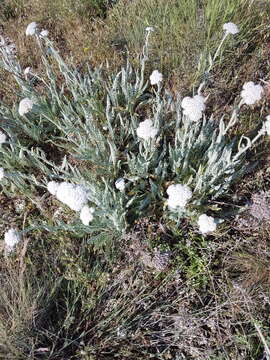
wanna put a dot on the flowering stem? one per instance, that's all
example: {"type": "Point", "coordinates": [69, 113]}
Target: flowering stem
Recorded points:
{"type": "Point", "coordinates": [218, 50]}
{"type": "Point", "coordinates": [202, 84]}
{"type": "Point", "coordinates": [144, 55]}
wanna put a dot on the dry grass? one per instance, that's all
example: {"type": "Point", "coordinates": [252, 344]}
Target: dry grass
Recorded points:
{"type": "Point", "coordinates": [96, 304]}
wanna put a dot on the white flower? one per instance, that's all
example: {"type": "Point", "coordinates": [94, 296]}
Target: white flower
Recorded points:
{"type": "Point", "coordinates": [251, 93]}
{"type": "Point", "coordinates": [75, 196]}
{"type": "Point", "coordinates": [12, 237]}
{"type": "Point", "coordinates": [193, 107]}
{"type": "Point", "coordinates": [149, 28]}
{"type": "Point", "coordinates": [3, 137]}
{"type": "Point", "coordinates": [52, 187]}
{"type": "Point", "coordinates": [44, 33]}
{"type": "Point", "coordinates": [31, 29]}
{"type": "Point", "coordinates": [120, 184]}
{"type": "Point", "coordinates": [146, 130]}
{"type": "Point", "coordinates": [86, 215]}
{"type": "Point", "coordinates": [230, 28]}
{"type": "Point", "coordinates": [178, 195]}
{"type": "Point", "coordinates": [2, 173]}
{"type": "Point", "coordinates": [25, 106]}
{"type": "Point", "coordinates": [266, 125]}
{"type": "Point", "coordinates": [206, 223]}
{"type": "Point", "coordinates": [155, 77]}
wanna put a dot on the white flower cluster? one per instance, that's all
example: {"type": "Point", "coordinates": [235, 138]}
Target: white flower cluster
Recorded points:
{"type": "Point", "coordinates": [32, 29]}
{"type": "Point", "coordinates": [178, 195]}
{"type": "Point", "coordinates": [12, 238]}
{"type": "Point", "coordinates": [75, 196]}
{"type": "Point", "coordinates": [146, 130]}
{"type": "Point", "coordinates": [156, 77]}
{"type": "Point", "coordinates": [230, 28]}
{"type": "Point", "coordinates": [25, 106]}
{"type": "Point", "coordinates": [251, 93]}
{"type": "Point", "coordinates": [193, 107]}
{"type": "Point", "coordinates": [206, 224]}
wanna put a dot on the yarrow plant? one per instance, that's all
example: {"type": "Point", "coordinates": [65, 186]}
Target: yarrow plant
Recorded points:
{"type": "Point", "coordinates": [117, 151]}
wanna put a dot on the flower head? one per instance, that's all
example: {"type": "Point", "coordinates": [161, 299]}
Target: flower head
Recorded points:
{"type": "Point", "coordinates": [31, 29]}
{"type": "Point", "coordinates": [2, 173]}
{"type": "Point", "coordinates": [25, 106]}
{"type": "Point", "coordinates": [120, 184]}
{"type": "Point", "coordinates": [86, 214]}
{"type": "Point", "coordinates": [206, 224]}
{"type": "Point", "coordinates": [193, 107]}
{"type": "Point", "coordinates": [146, 130]}
{"type": "Point", "coordinates": [3, 137]}
{"type": "Point", "coordinates": [52, 187]}
{"type": "Point", "coordinates": [156, 77]}
{"type": "Point", "coordinates": [149, 28]}
{"type": "Point", "coordinates": [12, 237]}
{"type": "Point", "coordinates": [230, 28]}
{"type": "Point", "coordinates": [75, 196]}
{"type": "Point", "coordinates": [178, 195]}
{"type": "Point", "coordinates": [251, 93]}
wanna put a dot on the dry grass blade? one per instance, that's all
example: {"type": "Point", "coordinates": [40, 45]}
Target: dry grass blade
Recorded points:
{"type": "Point", "coordinates": [266, 348]}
